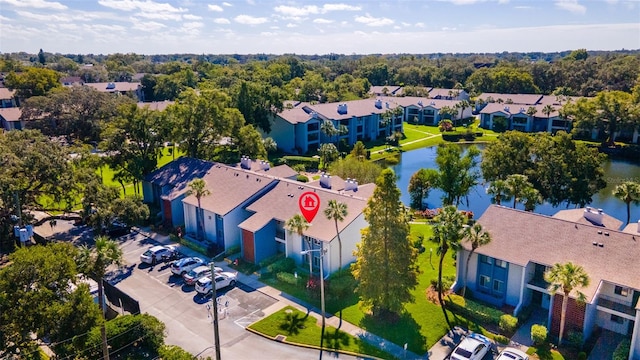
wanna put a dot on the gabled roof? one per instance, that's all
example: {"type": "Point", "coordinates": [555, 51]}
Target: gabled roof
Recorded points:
{"type": "Point", "coordinates": [6, 93]}
{"type": "Point", "coordinates": [155, 105]}
{"type": "Point", "coordinates": [281, 203]}
{"type": "Point", "coordinates": [514, 109]}
{"type": "Point", "coordinates": [438, 104]}
{"type": "Point", "coordinates": [114, 86]}
{"type": "Point", "coordinates": [521, 99]}
{"type": "Point", "coordinates": [577, 216]}
{"type": "Point", "coordinates": [304, 112]}
{"type": "Point", "coordinates": [179, 172]}
{"type": "Point", "coordinates": [229, 188]}
{"type": "Point", "coordinates": [520, 237]}
{"type": "Point", "coordinates": [434, 92]}
{"type": "Point", "coordinates": [557, 101]}
{"type": "Point", "coordinates": [391, 90]}
{"type": "Point", "coordinates": [10, 114]}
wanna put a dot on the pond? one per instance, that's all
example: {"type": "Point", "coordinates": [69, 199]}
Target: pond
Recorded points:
{"type": "Point", "coordinates": [616, 172]}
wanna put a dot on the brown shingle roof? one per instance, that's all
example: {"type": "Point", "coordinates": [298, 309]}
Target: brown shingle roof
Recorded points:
{"type": "Point", "coordinates": [114, 86]}
{"type": "Point", "coordinates": [577, 216]}
{"type": "Point", "coordinates": [520, 99]}
{"type": "Point", "coordinates": [379, 90]}
{"type": "Point", "coordinates": [6, 93]}
{"type": "Point", "coordinates": [513, 109]}
{"type": "Point", "coordinates": [521, 237]}
{"type": "Point", "coordinates": [10, 114]}
{"type": "Point", "coordinates": [281, 203]}
{"type": "Point", "coordinates": [416, 101]}
{"type": "Point", "coordinates": [358, 108]}
{"type": "Point", "coordinates": [229, 188]}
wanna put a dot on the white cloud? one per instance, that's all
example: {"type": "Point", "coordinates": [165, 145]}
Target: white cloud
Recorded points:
{"type": "Point", "coordinates": [571, 6]}
{"type": "Point", "coordinates": [48, 18]}
{"type": "Point", "coordinates": [292, 25]}
{"type": "Point", "coordinates": [226, 4]}
{"type": "Point", "coordinates": [250, 20]}
{"type": "Point", "coordinates": [191, 17]}
{"type": "Point", "coordinates": [307, 10]}
{"type": "Point", "coordinates": [37, 4]}
{"type": "Point", "coordinates": [523, 7]}
{"type": "Point", "coordinates": [340, 7]}
{"type": "Point", "coordinates": [372, 21]}
{"type": "Point", "coordinates": [145, 6]}
{"type": "Point", "coordinates": [150, 26]}
{"type": "Point", "coordinates": [322, 21]}
{"type": "Point", "coordinates": [448, 28]}
{"type": "Point", "coordinates": [160, 15]}
{"type": "Point", "coordinates": [215, 8]}
{"type": "Point", "coordinates": [4, 18]}
{"type": "Point", "coordinates": [419, 25]}
{"type": "Point", "coordinates": [221, 21]}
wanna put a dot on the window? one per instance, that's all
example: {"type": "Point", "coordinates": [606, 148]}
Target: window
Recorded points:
{"type": "Point", "coordinates": [617, 319]}
{"type": "Point", "coordinates": [502, 264]}
{"type": "Point", "coordinates": [485, 259]}
{"type": "Point", "coordinates": [313, 126]}
{"type": "Point", "coordinates": [622, 291]}
{"type": "Point", "coordinates": [484, 281]}
{"type": "Point", "coordinates": [498, 286]}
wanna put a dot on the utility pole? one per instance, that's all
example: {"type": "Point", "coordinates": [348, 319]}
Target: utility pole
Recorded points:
{"type": "Point", "coordinates": [214, 299]}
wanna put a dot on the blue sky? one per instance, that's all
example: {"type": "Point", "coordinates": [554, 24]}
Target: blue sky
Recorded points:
{"type": "Point", "coordinates": [315, 27]}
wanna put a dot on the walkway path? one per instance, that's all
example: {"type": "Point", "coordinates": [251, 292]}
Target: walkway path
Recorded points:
{"type": "Point", "coordinates": [439, 351]}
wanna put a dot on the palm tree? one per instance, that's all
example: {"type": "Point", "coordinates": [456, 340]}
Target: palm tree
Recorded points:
{"type": "Point", "coordinates": [531, 112]}
{"type": "Point", "coordinates": [530, 198]}
{"type": "Point", "coordinates": [547, 110]}
{"type": "Point", "coordinates": [447, 234]}
{"type": "Point", "coordinates": [198, 188]}
{"type": "Point", "coordinates": [328, 130]}
{"type": "Point", "coordinates": [566, 277]}
{"type": "Point", "coordinates": [476, 236]}
{"type": "Point", "coordinates": [298, 224]}
{"type": "Point", "coordinates": [337, 211]}
{"type": "Point", "coordinates": [516, 184]}
{"type": "Point", "coordinates": [498, 191]}
{"type": "Point", "coordinates": [462, 105]}
{"type": "Point", "coordinates": [629, 192]}
{"type": "Point", "coordinates": [94, 263]}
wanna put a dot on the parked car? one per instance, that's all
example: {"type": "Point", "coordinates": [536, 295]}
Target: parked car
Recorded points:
{"type": "Point", "coordinates": [223, 279]}
{"type": "Point", "coordinates": [154, 254]}
{"type": "Point", "coordinates": [472, 347]}
{"type": "Point", "coordinates": [198, 272]}
{"type": "Point", "coordinates": [116, 229]}
{"type": "Point", "coordinates": [184, 265]}
{"type": "Point", "coordinates": [512, 354]}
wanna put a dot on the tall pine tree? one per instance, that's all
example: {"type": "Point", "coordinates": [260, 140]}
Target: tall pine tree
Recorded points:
{"type": "Point", "coordinates": [385, 266]}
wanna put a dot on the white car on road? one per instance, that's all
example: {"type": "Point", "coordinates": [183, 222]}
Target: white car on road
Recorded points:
{"type": "Point", "coordinates": [223, 279]}
{"type": "Point", "coordinates": [184, 265]}
{"type": "Point", "coordinates": [472, 347]}
{"type": "Point", "coordinates": [154, 254]}
{"type": "Point", "coordinates": [512, 354]}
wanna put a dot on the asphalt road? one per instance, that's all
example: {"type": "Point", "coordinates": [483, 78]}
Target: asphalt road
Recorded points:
{"type": "Point", "coordinates": [186, 314]}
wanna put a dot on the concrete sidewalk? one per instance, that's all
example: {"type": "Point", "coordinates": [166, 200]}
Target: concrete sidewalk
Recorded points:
{"type": "Point", "coordinates": [439, 351]}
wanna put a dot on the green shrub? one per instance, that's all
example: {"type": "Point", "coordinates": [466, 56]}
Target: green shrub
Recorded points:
{"type": "Point", "coordinates": [622, 350]}
{"type": "Point", "coordinates": [282, 265]}
{"type": "Point", "coordinates": [575, 339]}
{"type": "Point", "coordinates": [233, 250]}
{"type": "Point", "coordinates": [538, 334]}
{"type": "Point", "coordinates": [308, 162]}
{"type": "Point", "coordinates": [299, 168]}
{"type": "Point", "coordinates": [270, 260]}
{"type": "Point", "coordinates": [501, 339]}
{"type": "Point", "coordinates": [508, 323]}
{"type": "Point", "coordinates": [288, 278]}
{"type": "Point", "coordinates": [447, 282]}
{"type": "Point", "coordinates": [302, 178]}
{"type": "Point", "coordinates": [582, 355]}
{"type": "Point", "coordinates": [123, 331]}
{"type": "Point", "coordinates": [474, 310]}
{"type": "Point", "coordinates": [341, 286]}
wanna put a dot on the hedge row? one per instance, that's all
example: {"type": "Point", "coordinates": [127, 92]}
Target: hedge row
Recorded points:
{"type": "Point", "coordinates": [473, 310]}
{"type": "Point", "coordinates": [308, 162]}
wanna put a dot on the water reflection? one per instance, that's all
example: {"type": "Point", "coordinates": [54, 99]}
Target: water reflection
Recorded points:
{"type": "Point", "coordinates": [616, 172]}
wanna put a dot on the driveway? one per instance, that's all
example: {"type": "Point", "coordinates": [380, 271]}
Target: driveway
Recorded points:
{"type": "Point", "coordinates": [186, 314]}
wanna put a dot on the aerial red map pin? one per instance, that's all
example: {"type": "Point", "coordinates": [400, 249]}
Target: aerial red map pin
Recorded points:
{"type": "Point", "coordinates": [309, 203]}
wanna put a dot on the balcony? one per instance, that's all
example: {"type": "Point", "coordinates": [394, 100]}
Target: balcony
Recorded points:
{"type": "Point", "coordinates": [616, 306]}
{"type": "Point", "coordinates": [539, 282]}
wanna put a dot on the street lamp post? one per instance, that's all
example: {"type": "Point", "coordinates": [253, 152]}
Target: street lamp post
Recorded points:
{"type": "Point", "coordinates": [214, 296]}
{"type": "Point", "coordinates": [322, 252]}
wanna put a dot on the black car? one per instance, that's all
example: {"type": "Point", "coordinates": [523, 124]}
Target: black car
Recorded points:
{"type": "Point", "coordinates": [117, 229]}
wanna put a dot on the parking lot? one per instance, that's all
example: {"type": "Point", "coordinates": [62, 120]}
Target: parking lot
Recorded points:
{"type": "Point", "coordinates": [187, 314]}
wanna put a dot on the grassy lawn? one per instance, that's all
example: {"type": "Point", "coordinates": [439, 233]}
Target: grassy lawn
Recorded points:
{"type": "Point", "coordinates": [302, 329]}
{"type": "Point", "coordinates": [422, 323]}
